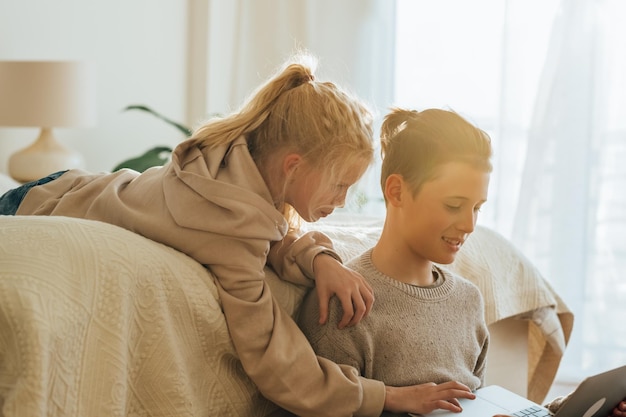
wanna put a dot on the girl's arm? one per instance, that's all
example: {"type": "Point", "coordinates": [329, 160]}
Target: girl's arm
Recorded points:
{"type": "Point", "coordinates": [309, 259]}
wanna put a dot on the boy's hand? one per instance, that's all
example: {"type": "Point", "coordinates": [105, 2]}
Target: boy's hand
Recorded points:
{"type": "Point", "coordinates": [354, 292]}
{"type": "Point", "coordinates": [426, 398]}
{"type": "Point", "coordinates": [620, 410]}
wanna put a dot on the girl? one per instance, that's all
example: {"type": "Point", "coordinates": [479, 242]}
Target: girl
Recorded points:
{"type": "Point", "coordinates": [231, 198]}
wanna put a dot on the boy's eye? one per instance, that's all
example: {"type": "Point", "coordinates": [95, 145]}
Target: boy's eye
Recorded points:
{"type": "Point", "coordinates": [456, 208]}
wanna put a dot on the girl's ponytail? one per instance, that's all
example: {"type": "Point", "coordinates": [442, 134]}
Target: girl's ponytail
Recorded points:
{"type": "Point", "coordinates": [256, 109]}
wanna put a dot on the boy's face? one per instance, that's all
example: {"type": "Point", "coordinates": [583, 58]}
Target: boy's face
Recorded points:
{"type": "Point", "coordinates": [436, 222]}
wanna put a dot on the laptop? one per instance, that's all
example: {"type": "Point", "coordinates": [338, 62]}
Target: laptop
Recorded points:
{"type": "Point", "coordinates": [596, 396]}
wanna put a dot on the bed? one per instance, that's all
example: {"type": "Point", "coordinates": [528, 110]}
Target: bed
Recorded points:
{"type": "Point", "coordinates": [98, 321]}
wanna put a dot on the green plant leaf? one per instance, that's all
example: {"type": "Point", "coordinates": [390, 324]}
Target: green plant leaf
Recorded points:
{"type": "Point", "coordinates": [184, 129]}
{"type": "Point", "coordinates": [156, 156]}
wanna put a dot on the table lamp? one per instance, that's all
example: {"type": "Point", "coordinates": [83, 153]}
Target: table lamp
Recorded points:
{"type": "Point", "coordinates": [46, 94]}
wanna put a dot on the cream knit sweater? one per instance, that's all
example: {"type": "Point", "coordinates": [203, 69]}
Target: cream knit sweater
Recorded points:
{"type": "Point", "coordinates": [413, 335]}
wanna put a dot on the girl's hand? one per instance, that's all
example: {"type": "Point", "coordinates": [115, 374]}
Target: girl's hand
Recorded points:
{"type": "Point", "coordinates": [354, 292]}
{"type": "Point", "coordinates": [426, 398]}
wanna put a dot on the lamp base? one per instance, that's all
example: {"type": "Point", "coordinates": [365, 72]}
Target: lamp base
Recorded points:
{"type": "Point", "coordinates": [44, 157]}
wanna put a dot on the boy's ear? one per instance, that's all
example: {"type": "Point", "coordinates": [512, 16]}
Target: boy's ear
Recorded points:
{"type": "Point", "coordinates": [393, 189]}
{"type": "Point", "coordinates": [290, 163]}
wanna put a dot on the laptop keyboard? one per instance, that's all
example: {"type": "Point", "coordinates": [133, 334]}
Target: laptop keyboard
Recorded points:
{"type": "Point", "coordinates": [533, 412]}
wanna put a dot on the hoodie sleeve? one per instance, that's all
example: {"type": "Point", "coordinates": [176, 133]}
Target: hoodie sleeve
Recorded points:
{"type": "Point", "coordinates": [276, 354]}
{"type": "Point", "coordinates": [292, 257]}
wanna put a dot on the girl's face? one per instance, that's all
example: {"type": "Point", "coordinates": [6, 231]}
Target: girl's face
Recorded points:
{"type": "Point", "coordinates": [315, 195]}
{"type": "Point", "coordinates": [436, 222]}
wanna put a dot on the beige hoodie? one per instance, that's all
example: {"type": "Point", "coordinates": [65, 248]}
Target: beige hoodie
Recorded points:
{"type": "Point", "coordinates": [213, 205]}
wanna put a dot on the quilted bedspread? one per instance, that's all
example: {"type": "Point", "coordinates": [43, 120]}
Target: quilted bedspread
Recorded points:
{"type": "Point", "coordinates": [98, 321]}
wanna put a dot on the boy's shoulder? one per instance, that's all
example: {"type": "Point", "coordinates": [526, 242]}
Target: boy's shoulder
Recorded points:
{"type": "Point", "coordinates": [362, 264]}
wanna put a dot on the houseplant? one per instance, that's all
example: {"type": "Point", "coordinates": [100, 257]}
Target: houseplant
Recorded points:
{"type": "Point", "coordinates": [158, 155]}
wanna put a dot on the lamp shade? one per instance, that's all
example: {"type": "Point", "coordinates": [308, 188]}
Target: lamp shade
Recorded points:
{"type": "Point", "coordinates": [47, 94]}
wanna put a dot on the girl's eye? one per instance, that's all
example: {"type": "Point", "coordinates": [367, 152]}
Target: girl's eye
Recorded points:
{"type": "Point", "coordinates": [452, 207]}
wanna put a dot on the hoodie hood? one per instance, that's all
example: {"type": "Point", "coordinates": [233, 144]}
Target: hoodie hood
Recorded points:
{"type": "Point", "coordinates": [221, 189]}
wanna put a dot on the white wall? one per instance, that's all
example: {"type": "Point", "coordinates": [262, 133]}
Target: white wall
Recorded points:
{"type": "Point", "coordinates": [189, 59]}
{"type": "Point", "coordinates": [140, 51]}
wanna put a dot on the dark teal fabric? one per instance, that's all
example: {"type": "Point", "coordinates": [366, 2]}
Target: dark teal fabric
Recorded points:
{"type": "Point", "coordinates": [12, 199]}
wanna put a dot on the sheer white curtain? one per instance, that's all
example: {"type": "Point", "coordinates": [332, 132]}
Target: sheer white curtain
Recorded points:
{"type": "Point", "coordinates": [547, 80]}
{"type": "Point", "coordinates": [571, 210]}
{"type": "Point", "coordinates": [241, 42]}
